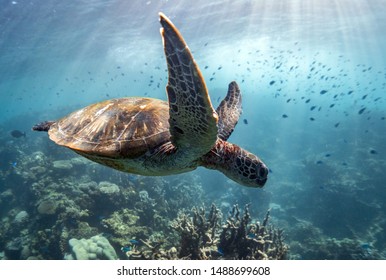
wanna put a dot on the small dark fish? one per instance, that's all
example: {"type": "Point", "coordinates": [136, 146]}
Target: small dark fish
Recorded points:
{"type": "Point", "coordinates": [288, 100]}
{"type": "Point", "coordinates": [332, 105]}
{"type": "Point", "coordinates": [245, 121]}
{"type": "Point", "coordinates": [17, 133]}
{"type": "Point", "coordinates": [308, 100]}
{"type": "Point", "coordinates": [327, 155]}
{"type": "Point", "coordinates": [337, 124]}
{"type": "Point", "coordinates": [211, 79]}
{"type": "Point", "coordinates": [270, 170]}
{"type": "Point", "coordinates": [271, 83]}
{"type": "Point", "coordinates": [312, 119]}
{"type": "Point", "coordinates": [361, 110]}
{"type": "Point", "coordinates": [284, 116]}
{"type": "Point", "coordinates": [312, 108]}
{"type": "Point", "coordinates": [323, 91]}
{"type": "Point", "coordinates": [373, 152]}
{"type": "Point", "coordinates": [319, 162]}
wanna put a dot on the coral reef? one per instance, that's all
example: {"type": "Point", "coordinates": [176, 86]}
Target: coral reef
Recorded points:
{"type": "Point", "coordinates": [198, 234]}
{"type": "Point", "coordinates": [123, 225]}
{"type": "Point", "coordinates": [95, 248]}
{"type": "Point", "coordinates": [256, 241]}
{"type": "Point", "coordinates": [49, 196]}
{"type": "Point", "coordinates": [309, 242]}
{"type": "Point", "coordinates": [202, 236]}
{"type": "Point", "coordinates": [21, 218]}
{"type": "Point", "coordinates": [148, 250]}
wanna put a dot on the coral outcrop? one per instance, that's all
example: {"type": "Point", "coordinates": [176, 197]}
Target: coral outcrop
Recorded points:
{"type": "Point", "coordinates": [122, 226]}
{"type": "Point", "coordinates": [95, 248]}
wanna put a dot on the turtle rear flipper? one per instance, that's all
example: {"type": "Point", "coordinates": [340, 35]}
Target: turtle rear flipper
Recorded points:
{"type": "Point", "coordinates": [43, 126]}
{"type": "Point", "coordinates": [193, 120]}
{"type": "Point", "coordinates": [229, 111]}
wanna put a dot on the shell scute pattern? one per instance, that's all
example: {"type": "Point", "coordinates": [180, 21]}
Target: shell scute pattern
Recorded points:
{"type": "Point", "coordinates": [126, 127]}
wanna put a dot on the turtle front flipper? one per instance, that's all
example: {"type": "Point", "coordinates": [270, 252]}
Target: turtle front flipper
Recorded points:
{"type": "Point", "coordinates": [193, 120]}
{"type": "Point", "coordinates": [229, 111]}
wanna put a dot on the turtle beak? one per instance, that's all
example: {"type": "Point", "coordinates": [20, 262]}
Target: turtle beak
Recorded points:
{"type": "Point", "coordinates": [262, 174]}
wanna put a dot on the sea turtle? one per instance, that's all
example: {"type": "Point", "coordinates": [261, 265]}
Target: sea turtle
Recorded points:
{"type": "Point", "coordinates": [152, 137]}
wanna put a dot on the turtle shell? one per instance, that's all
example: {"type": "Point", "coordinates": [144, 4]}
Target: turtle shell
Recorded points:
{"type": "Point", "coordinates": [116, 128]}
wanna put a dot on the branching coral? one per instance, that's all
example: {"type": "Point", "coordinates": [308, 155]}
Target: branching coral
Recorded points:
{"type": "Point", "coordinates": [202, 238]}
{"type": "Point", "coordinates": [241, 240]}
{"type": "Point", "coordinates": [150, 251]}
{"type": "Point", "coordinates": [198, 233]}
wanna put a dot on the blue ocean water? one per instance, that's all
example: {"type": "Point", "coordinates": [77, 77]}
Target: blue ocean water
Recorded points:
{"type": "Point", "coordinates": [313, 79]}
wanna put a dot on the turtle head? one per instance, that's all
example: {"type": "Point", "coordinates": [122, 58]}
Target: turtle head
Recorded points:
{"type": "Point", "coordinates": [248, 170]}
{"type": "Point", "coordinates": [237, 164]}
